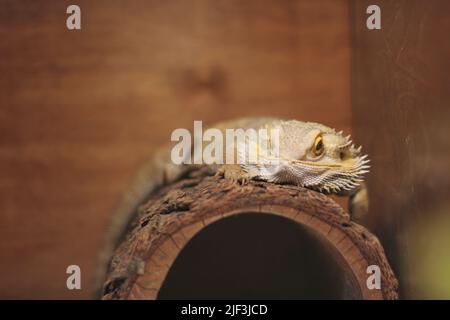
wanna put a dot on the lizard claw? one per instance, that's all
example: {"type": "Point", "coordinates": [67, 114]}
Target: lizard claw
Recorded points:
{"type": "Point", "coordinates": [220, 172]}
{"type": "Point", "coordinates": [234, 174]}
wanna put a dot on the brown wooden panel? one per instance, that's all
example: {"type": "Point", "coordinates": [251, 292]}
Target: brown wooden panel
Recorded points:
{"type": "Point", "coordinates": [80, 110]}
{"type": "Point", "coordinates": [401, 114]}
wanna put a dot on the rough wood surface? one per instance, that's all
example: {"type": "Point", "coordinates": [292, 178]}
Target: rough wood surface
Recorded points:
{"type": "Point", "coordinates": [177, 212]}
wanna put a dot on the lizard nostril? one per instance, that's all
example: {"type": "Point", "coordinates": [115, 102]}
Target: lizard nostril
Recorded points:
{"type": "Point", "coordinates": [342, 155]}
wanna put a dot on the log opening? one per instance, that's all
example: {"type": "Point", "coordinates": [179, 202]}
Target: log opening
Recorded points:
{"type": "Point", "coordinates": [258, 256]}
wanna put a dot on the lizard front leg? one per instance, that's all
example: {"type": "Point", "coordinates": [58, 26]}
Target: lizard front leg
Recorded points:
{"type": "Point", "coordinates": [358, 203]}
{"type": "Point", "coordinates": [234, 173]}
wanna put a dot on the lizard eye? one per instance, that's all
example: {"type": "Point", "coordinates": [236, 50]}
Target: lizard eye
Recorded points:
{"type": "Point", "coordinates": [318, 147]}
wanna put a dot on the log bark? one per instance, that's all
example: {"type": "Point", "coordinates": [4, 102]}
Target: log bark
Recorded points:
{"type": "Point", "coordinates": [176, 213]}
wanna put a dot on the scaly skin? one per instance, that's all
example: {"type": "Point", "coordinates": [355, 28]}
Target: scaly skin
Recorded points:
{"type": "Point", "coordinates": [310, 155]}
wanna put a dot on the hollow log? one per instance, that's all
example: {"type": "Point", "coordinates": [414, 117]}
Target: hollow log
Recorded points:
{"type": "Point", "coordinates": [178, 214]}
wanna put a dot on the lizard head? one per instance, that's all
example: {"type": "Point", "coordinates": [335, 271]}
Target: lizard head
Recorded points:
{"type": "Point", "coordinates": [314, 156]}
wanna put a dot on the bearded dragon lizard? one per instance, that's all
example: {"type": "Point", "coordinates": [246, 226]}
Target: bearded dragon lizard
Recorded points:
{"type": "Point", "coordinates": [310, 155]}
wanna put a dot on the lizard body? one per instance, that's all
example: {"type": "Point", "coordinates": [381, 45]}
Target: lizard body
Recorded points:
{"type": "Point", "coordinates": [309, 155]}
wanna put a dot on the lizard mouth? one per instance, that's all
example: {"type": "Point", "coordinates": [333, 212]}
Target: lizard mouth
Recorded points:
{"type": "Point", "coordinates": [323, 177]}
{"type": "Point", "coordinates": [331, 178]}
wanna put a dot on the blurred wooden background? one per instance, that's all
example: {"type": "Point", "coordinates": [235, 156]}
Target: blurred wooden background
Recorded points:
{"type": "Point", "coordinates": [401, 114]}
{"type": "Point", "coordinates": [81, 110]}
